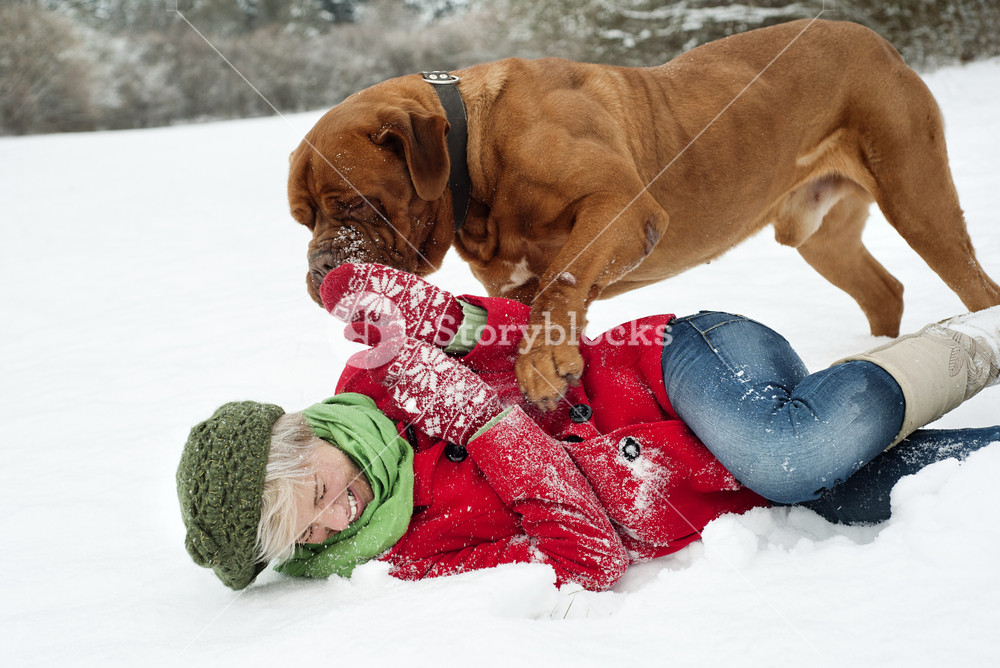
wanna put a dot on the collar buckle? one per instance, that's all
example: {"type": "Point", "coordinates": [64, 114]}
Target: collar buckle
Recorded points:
{"type": "Point", "coordinates": [440, 77]}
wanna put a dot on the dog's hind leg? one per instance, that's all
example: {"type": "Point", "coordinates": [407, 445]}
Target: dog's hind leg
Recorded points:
{"type": "Point", "coordinates": [933, 225]}
{"type": "Point", "coordinates": [905, 154]}
{"type": "Point", "coordinates": [835, 250]}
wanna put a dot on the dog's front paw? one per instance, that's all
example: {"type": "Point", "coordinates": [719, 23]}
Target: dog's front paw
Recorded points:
{"type": "Point", "coordinates": [544, 371]}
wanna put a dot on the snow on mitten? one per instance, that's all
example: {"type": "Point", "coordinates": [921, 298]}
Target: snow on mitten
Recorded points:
{"type": "Point", "coordinates": [380, 302]}
{"type": "Point", "coordinates": [437, 394]}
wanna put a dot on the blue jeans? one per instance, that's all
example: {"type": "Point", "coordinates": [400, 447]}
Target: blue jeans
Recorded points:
{"type": "Point", "coordinates": [793, 437]}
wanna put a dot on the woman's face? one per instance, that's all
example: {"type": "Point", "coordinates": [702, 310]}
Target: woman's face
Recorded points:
{"type": "Point", "coordinates": [335, 496]}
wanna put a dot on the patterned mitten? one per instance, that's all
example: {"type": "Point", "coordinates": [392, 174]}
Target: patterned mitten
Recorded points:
{"type": "Point", "coordinates": [380, 302]}
{"type": "Point", "coordinates": [437, 394]}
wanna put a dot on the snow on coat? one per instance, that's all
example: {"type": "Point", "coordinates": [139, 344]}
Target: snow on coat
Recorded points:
{"type": "Point", "coordinates": [609, 478]}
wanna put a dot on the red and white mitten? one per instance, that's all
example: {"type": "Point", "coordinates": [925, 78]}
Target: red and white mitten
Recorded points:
{"type": "Point", "coordinates": [436, 394]}
{"type": "Point", "coordinates": [380, 303]}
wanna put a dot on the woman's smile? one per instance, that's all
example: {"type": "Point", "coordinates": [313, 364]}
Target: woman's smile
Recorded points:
{"type": "Point", "coordinates": [337, 495]}
{"type": "Point", "coordinates": [354, 506]}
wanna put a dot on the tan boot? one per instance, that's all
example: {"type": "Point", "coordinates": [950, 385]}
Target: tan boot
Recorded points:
{"type": "Point", "coordinates": [942, 365]}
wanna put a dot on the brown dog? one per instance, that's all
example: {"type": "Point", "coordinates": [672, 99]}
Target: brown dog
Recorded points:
{"type": "Point", "coordinates": [588, 181]}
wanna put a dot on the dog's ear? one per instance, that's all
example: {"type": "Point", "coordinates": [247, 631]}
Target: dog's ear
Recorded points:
{"type": "Point", "coordinates": [422, 141]}
{"type": "Point", "coordinates": [298, 187]}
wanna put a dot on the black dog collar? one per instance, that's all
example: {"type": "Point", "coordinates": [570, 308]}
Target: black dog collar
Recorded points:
{"type": "Point", "coordinates": [458, 140]}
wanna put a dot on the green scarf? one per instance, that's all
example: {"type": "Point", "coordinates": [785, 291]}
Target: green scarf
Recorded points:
{"type": "Point", "coordinates": [352, 423]}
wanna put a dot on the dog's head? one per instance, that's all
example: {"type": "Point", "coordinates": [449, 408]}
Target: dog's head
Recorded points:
{"type": "Point", "coordinates": [369, 182]}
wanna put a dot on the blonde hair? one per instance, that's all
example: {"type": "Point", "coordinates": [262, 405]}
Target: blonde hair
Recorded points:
{"type": "Point", "coordinates": [289, 464]}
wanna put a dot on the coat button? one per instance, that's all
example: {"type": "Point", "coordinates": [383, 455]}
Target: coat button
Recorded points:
{"type": "Point", "coordinates": [580, 413]}
{"type": "Point", "coordinates": [630, 448]}
{"type": "Point", "coordinates": [456, 453]}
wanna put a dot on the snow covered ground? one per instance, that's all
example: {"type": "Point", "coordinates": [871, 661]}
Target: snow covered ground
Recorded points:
{"type": "Point", "coordinates": [149, 276]}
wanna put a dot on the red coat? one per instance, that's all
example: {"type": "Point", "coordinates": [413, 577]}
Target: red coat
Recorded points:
{"type": "Point", "coordinates": [587, 497]}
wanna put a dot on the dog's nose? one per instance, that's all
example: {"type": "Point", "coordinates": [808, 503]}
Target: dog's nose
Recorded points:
{"type": "Point", "coordinates": [321, 263]}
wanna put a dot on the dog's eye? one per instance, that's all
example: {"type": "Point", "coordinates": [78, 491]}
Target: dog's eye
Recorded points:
{"type": "Point", "coordinates": [351, 205]}
{"type": "Point", "coordinates": [361, 210]}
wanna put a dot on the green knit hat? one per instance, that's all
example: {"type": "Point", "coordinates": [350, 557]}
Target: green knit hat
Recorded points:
{"type": "Point", "coordinates": [220, 482]}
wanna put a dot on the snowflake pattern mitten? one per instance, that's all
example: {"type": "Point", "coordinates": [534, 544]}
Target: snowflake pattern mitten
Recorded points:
{"type": "Point", "coordinates": [436, 393]}
{"type": "Point", "coordinates": [380, 302]}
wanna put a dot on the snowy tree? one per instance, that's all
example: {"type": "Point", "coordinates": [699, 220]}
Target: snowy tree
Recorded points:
{"type": "Point", "coordinates": [134, 63]}
{"type": "Point", "coordinates": [432, 10]}
{"type": "Point", "coordinates": [43, 74]}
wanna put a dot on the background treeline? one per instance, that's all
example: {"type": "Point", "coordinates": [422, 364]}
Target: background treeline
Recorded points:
{"type": "Point", "coordinates": [69, 65]}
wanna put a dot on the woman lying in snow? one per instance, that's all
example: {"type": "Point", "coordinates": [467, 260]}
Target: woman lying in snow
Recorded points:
{"type": "Point", "coordinates": [439, 466]}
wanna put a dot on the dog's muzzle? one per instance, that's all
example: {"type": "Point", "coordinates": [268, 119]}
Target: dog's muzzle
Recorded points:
{"type": "Point", "coordinates": [323, 261]}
